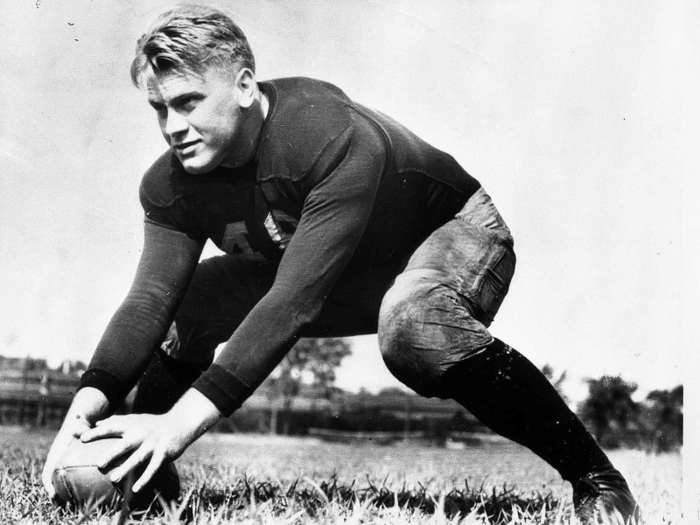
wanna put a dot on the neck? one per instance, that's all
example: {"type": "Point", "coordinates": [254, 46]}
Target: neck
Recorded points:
{"type": "Point", "coordinates": [251, 131]}
{"type": "Point", "coordinates": [264, 103]}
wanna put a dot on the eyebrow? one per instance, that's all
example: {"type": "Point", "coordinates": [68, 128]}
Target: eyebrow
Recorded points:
{"type": "Point", "coordinates": [178, 99]}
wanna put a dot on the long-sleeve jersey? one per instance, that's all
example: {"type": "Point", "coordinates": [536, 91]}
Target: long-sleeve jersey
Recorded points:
{"type": "Point", "coordinates": [334, 190]}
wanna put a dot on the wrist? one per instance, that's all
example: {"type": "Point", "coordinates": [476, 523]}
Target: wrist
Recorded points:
{"type": "Point", "coordinates": [113, 387]}
{"type": "Point", "coordinates": [90, 404]}
{"type": "Point", "coordinates": [195, 411]}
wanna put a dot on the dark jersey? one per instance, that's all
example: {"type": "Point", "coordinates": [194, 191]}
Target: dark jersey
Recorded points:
{"type": "Point", "coordinates": [335, 190]}
{"type": "Point", "coordinates": [408, 187]}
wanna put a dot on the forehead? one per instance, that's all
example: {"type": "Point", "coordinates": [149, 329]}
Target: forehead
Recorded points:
{"type": "Point", "coordinates": [170, 85]}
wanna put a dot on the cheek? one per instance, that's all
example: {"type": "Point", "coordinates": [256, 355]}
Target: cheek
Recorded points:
{"type": "Point", "coordinates": [225, 121]}
{"type": "Point", "coordinates": [225, 133]}
{"type": "Point", "coordinates": [161, 125]}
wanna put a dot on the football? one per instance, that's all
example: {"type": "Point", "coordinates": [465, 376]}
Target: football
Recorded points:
{"type": "Point", "coordinates": [78, 480]}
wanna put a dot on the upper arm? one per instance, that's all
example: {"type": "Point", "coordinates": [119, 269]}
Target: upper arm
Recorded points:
{"type": "Point", "coordinates": [167, 263]}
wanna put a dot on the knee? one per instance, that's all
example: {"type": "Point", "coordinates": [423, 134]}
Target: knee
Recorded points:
{"type": "Point", "coordinates": [395, 332]}
{"type": "Point", "coordinates": [425, 329]}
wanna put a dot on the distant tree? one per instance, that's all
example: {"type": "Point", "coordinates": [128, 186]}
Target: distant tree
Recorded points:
{"type": "Point", "coordinates": [35, 364]}
{"type": "Point", "coordinates": [557, 382]}
{"type": "Point", "coordinates": [394, 391]}
{"type": "Point", "coordinates": [609, 410]}
{"type": "Point", "coordinates": [11, 363]}
{"type": "Point", "coordinates": [663, 419]}
{"type": "Point", "coordinates": [311, 361]}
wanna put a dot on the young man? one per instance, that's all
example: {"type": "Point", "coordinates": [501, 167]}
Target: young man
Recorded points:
{"type": "Point", "coordinates": [336, 221]}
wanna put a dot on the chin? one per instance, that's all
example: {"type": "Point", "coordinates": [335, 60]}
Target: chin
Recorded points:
{"type": "Point", "coordinates": [197, 170]}
{"type": "Point", "coordinates": [197, 167]}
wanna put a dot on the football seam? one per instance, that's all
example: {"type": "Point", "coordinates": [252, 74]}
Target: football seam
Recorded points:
{"type": "Point", "coordinates": [66, 487]}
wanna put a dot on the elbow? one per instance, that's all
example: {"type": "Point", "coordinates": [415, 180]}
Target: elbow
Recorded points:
{"type": "Point", "coordinates": [306, 315]}
{"type": "Point", "coordinates": [302, 309]}
{"type": "Point", "coordinates": [148, 307]}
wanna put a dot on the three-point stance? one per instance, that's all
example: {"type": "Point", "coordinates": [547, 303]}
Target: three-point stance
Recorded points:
{"type": "Point", "coordinates": [335, 220]}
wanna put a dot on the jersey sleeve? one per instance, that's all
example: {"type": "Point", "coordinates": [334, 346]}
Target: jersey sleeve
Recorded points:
{"type": "Point", "coordinates": [160, 199]}
{"type": "Point", "coordinates": [341, 191]}
{"type": "Point", "coordinates": [167, 263]}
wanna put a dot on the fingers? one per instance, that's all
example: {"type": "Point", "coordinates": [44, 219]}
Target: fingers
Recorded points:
{"type": "Point", "coordinates": [134, 460]}
{"type": "Point", "coordinates": [47, 472]}
{"type": "Point", "coordinates": [110, 427]}
{"type": "Point", "coordinates": [153, 466]}
{"type": "Point", "coordinates": [141, 455]}
{"type": "Point", "coordinates": [117, 451]}
{"type": "Point", "coordinates": [145, 438]}
{"type": "Point", "coordinates": [64, 437]}
{"type": "Point", "coordinates": [47, 481]}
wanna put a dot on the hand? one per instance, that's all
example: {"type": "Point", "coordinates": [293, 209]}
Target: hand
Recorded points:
{"type": "Point", "coordinates": [155, 439]}
{"type": "Point", "coordinates": [145, 438]}
{"type": "Point", "coordinates": [88, 405]}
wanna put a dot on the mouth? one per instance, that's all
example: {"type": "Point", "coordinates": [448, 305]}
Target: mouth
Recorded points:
{"type": "Point", "coordinates": [185, 148]}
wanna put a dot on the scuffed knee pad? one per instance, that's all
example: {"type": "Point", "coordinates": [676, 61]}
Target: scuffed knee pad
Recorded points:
{"type": "Point", "coordinates": [425, 328]}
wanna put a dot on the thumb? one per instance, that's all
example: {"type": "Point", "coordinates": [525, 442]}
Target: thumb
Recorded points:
{"type": "Point", "coordinates": [47, 481]}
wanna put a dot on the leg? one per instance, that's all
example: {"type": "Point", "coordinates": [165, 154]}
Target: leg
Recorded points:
{"type": "Point", "coordinates": [433, 336]}
{"type": "Point", "coordinates": [222, 292]}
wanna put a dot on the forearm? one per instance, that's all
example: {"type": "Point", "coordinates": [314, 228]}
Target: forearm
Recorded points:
{"type": "Point", "coordinates": [135, 330]}
{"type": "Point", "coordinates": [254, 350]}
{"type": "Point", "coordinates": [167, 263]}
{"type": "Point", "coordinates": [197, 414]}
{"type": "Point", "coordinates": [310, 268]}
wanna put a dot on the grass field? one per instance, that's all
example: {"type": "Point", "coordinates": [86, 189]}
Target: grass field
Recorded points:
{"type": "Point", "coordinates": [273, 480]}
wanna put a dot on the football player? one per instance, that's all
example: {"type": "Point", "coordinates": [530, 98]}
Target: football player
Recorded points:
{"type": "Point", "coordinates": [335, 221]}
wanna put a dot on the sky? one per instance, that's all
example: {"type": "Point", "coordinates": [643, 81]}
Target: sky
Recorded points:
{"type": "Point", "coordinates": [576, 117]}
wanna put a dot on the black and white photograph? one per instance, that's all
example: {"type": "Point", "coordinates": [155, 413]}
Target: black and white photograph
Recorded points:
{"type": "Point", "coordinates": [375, 261]}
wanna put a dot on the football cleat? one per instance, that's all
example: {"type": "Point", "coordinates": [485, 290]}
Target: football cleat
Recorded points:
{"type": "Point", "coordinates": [603, 497]}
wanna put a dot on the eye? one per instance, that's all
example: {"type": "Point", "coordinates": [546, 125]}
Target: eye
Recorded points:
{"type": "Point", "coordinates": [188, 104]}
{"type": "Point", "coordinates": [160, 109]}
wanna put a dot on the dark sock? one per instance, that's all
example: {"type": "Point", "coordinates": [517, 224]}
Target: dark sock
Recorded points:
{"type": "Point", "coordinates": [163, 383]}
{"type": "Point", "coordinates": [507, 393]}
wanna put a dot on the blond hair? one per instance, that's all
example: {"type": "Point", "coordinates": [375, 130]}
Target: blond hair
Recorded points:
{"type": "Point", "coordinates": [190, 39]}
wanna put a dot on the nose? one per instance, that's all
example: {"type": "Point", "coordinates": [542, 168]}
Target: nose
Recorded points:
{"type": "Point", "coordinates": [174, 124]}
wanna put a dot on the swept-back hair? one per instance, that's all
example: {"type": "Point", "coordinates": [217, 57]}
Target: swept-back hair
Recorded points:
{"type": "Point", "coordinates": [189, 39]}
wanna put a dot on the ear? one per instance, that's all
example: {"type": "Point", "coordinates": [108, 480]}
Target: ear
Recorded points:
{"type": "Point", "coordinates": [246, 85]}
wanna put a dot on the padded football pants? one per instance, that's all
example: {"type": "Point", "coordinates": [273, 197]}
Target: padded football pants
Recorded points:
{"type": "Point", "coordinates": [432, 316]}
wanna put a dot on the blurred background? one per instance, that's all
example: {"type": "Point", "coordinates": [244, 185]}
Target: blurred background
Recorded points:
{"type": "Point", "coordinates": [577, 118]}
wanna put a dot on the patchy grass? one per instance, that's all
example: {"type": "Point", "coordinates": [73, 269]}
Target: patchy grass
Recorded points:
{"type": "Point", "coordinates": [276, 481]}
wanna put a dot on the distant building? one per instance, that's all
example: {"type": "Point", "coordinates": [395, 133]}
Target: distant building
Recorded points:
{"type": "Point", "coordinates": [32, 393]}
